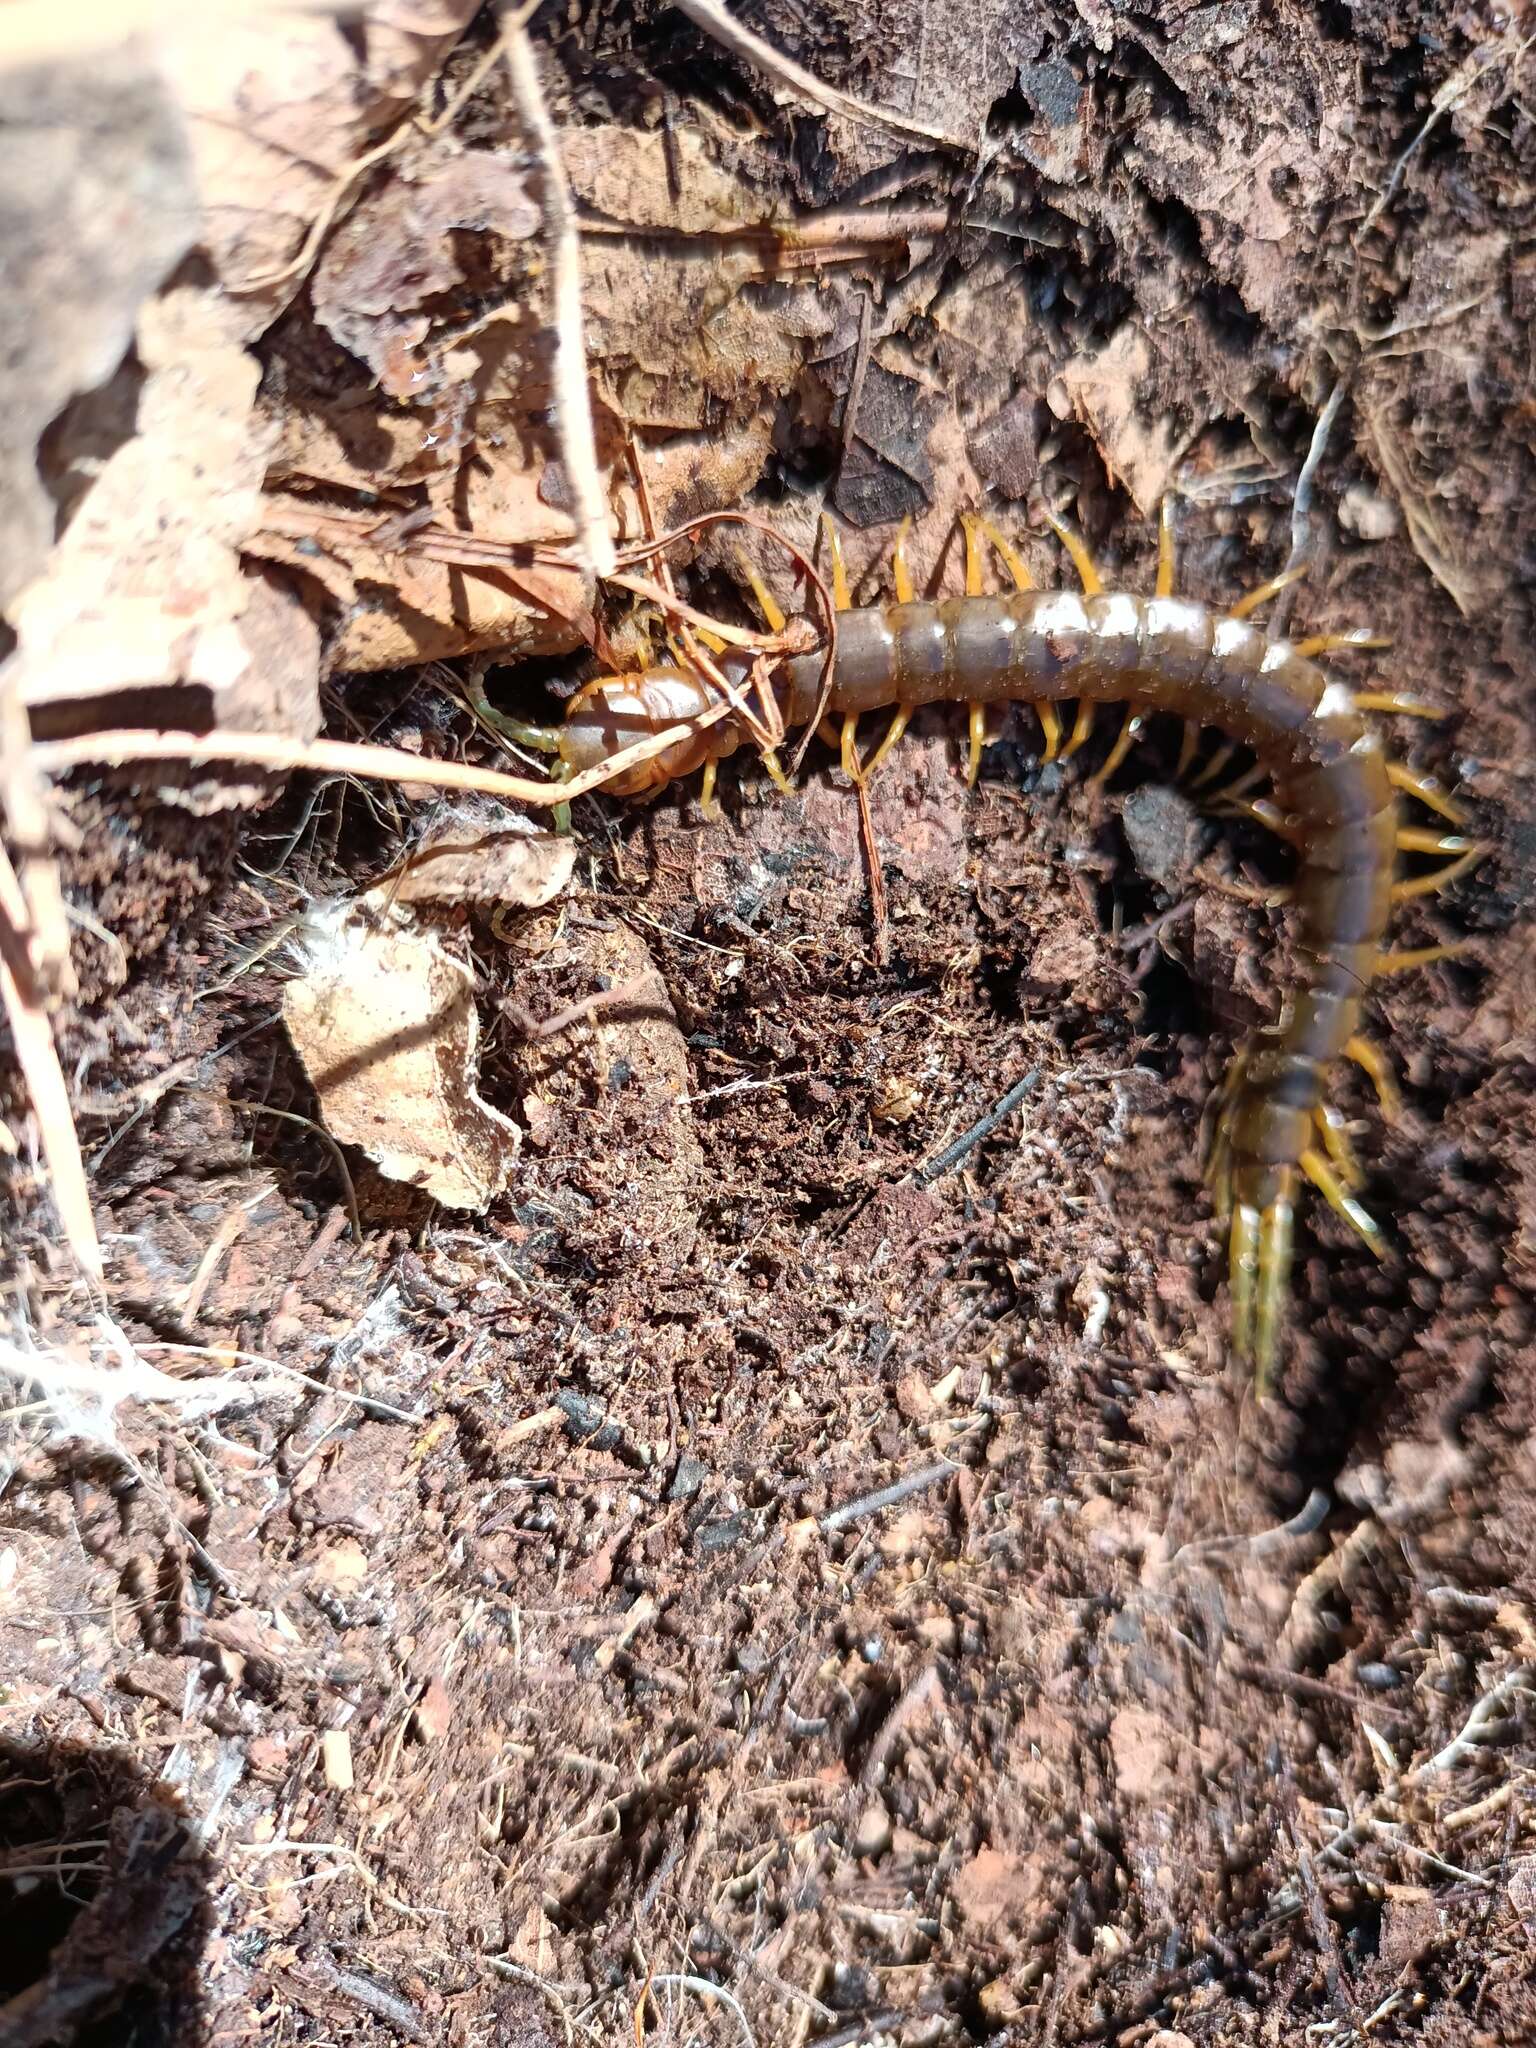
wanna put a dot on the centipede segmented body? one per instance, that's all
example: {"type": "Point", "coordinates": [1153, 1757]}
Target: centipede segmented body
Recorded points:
{"type": "Point", "coordinates": [1335, 797]}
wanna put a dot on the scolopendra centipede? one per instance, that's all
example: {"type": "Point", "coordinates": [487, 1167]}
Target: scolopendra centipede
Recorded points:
{"type": "Point", "coordinates": [1335, 799]}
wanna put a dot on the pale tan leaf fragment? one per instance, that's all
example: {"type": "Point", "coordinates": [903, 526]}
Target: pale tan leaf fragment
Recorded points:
{"type": "Point", "coordinates": [466, 859]}
{"type": "Point", "coordinates": [384, 1021]}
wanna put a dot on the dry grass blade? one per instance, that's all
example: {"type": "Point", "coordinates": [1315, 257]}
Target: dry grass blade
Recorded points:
{"type": "Point", "coordinates": [38, 1058]}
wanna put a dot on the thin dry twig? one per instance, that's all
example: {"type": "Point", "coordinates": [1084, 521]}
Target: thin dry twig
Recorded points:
{"type": "Point", "coordinates": [573, 403]}
{"type": "Point", "coordinates": [713, 18]}
{"type": "Point", "coordinates": [38, 1057]}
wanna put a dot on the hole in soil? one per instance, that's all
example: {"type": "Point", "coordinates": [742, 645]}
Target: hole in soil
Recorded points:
{"type": "Point", "coordinates": [103, 1900]}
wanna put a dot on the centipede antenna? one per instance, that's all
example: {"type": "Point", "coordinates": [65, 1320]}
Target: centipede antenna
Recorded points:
{"type": "Point", "coordinates": [1337, 643]}
{"type": "Point", "coordinates": [1331, 1129]}
{"type": "Point", "coordinates": [1130, 726]}
{"type": "Point", "coordinates": [1076, 547]}
{"type": "Point", "coordinates": [1408, 957]}
{"type": "Point", "coordinates": [1441, 878]}
{"type": "Point", "coordinates": [1010, 554]}
{"type": "Point", "coordinates": [1340, 1200]}
{"type": "Point", "coordinates": [899, 567]}
{"type": "Point", "coordinates": [767, 603]}
{"type": "Point", "coordinates": [1247, 606]}
{"type": "Point", "coordinates": [1394, 700]}
{"type": "Point", "coordinates": [978, 740]}
{"type": "Point", "coordinates": [848, 747]}
{"type": "Point", "coordinates": [841, 598]}
{"type": "Point", "coordinates": [1374, 1064]}
{"type": "Point", "coordinates": [900, 718]}
{"type": "Point", "coordinates": [1276, 1232]}
{"type": "Point", "coordinates": [1166, 553]}
{"type": "Point", "coordinates": [1410, 839]}
{"type": "Point", "coordinates": [1189, 746]}
{"type": "Point", "coordinates": [707, 803]}
{"type": "Point", "coordinates": [1082, 727]}
{"type": "Point", "coordinates": [972, 555]}
{"type": "Point", "coordinates": [1431, 793]}
{"type": "Point", "coordinates": [1050, 726]}
{"type": "Point", "coordinates": [1214, 766]}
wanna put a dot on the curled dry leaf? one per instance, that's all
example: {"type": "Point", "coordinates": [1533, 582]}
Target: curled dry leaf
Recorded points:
{"type": "Point", "coordinates": [384, 1021]}
{"type": "Point", "coordinates": [279, 109]}
{"type": "Point", "coordinates": [146, 588]}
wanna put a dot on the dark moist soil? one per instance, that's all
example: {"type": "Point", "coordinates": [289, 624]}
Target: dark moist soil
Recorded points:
{"type": "Point", "coordinates": [811, 1579]}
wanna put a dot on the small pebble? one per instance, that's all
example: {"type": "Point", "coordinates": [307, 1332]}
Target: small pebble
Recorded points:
{"type": "Point", "coordinates": [1379, 1677]}
{"type": "Point", "coordinates": [872, 1836]}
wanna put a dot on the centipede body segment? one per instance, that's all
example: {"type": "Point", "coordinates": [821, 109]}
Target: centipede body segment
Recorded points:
{"type": "Point", "coordinates": [1335, 797]}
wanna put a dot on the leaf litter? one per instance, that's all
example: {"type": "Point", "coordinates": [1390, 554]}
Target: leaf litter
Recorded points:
{"type": "Point", "coordinates": [778, 1588]}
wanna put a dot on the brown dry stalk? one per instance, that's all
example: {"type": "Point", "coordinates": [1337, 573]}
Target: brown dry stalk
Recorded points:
{"type": "Point", "coordinates": [710, 16]}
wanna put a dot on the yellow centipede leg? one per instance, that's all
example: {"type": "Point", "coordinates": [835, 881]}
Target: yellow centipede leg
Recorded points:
{"type": "Point", "coordinates": [707, 803]}
{"type": "Point", "coordinates": [1214, 766]}
{"type": "Point", "coordinates": [1398, 701]}
{"type": "Point", "coordinates": [1050, 725]}
{"type": "Point", "coordinates": [1082, 727]}
{"type": "Point", "coordinates": [1243, 1274]}
{"type": "Point", "coordinates": [1263, 811]}
{"type": "Point", "coordinates": [1335, 643]}
{"type": "Point", "coordinates": [978, 739]}
{"type": "Point", "coordinates": [1076, 547]}
{"type": "Point", "coordinates": [1336, 1143]}
{"type": "Point", "coordinates": [1432, 794]}
{"type": "Point", "coordinates": [900, 719]}
{"type": "Point", "coordinates": [1276, 1230]}
{"type": "Point", "coordinates": [1408, 957]}
{"type": "Point", "coordinates": [1124, 739]}
{"type": "Point", "coordinates": [1337, 1196]}
{"type": "Point", "coordinates": [776, 775]}
{"type": "Point", "coordinates": [1442, 878]}
{"type": "Point", "coordinates": [848, 747]}
{"type": "Point", "coordinates": [1247, 606]}
{"type": "Point", "coordinates": [899, 568]}
{"type": "Point", "coordinates": [1189, 746]}
{"type": "Point", "coordinates": [841, 599]}
{"type": "Point", "coordinates": [972, 555]}
{"type": "Point", "coordinates": [1373, 1063]}
{"type": "Point", "coordinates": [1167, 562]}
{"type": "Point", "coordinates": [1016, 569]}
{"type": "Point", "coordinates": [1410, 839]}
{"type": "Point", "coordinates": [767, 603]}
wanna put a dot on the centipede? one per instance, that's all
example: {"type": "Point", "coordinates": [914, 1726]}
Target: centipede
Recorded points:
{"type": "Point", "coordinates": [1321, 778]}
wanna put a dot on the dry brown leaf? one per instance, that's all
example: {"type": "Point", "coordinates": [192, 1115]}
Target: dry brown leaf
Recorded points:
{"type": "Point", "coordinates": [384, 1021]}
{"type": "Point", "coordinates": [398, 251]}
{"type": "Point", "coordinates": [278, 111]}
{"type": "Point", "coordinates": [1110, 393]}
{"type": "Point", "coordinates": [146, 588]}
{"type": "Point", "coordinates": [96, 206]}
{"type": "Point", "coordinates": [395, 608]}
{"type": "Point", "coordinates": [467, 858]}
{"type": "Point", "coordinates": [651, 179]}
